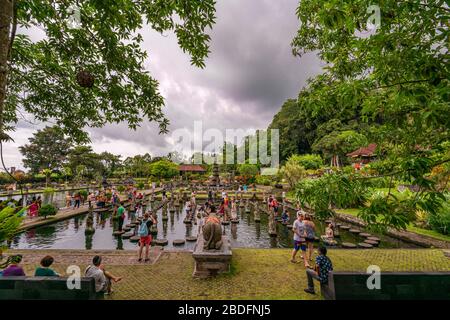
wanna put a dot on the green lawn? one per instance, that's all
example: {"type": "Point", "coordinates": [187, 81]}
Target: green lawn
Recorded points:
{"type": "Point", "coordinates": [411, 227]}
{"type": "Point", "coordinates": [255, 274]}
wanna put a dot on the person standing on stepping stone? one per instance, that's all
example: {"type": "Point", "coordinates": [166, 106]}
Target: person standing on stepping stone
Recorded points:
{"type": "Point", "coordinates": [121, 215]}
{"type": "Point", "coordinates": [145, 236]}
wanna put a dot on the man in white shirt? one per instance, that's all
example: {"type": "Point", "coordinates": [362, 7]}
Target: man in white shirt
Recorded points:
{"type": "Point", "coordinates": [103, 278]}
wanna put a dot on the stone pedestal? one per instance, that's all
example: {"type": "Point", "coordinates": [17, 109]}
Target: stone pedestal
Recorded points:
{"type": "Point", "coordinates": [209, 263]}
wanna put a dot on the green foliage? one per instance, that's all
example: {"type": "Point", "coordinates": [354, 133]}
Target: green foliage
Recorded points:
{"type": "Point", "coordinates": [84, 193]}
{"type": "Point", "coordinates": [263, 179]}
{"type": "Point", "coordinates": [9, 223]}
{"type": "Point", "coordinates": [164, 169]}
{"type": "Point", "coordinates": [308, 161]}
{"type": "Point", "coordinates": [46, 151]}
{"type": "Point", "coordinates": [340, 143]}
{"type": "Point", "coordinates": [440, 221]}
{"type": "Point", "coordinates": [331, 191]}
{"type": "Point", "coordinates": [292, 171]}
{"type": "Point", "coordinates": [140, 185]}
{"type": "Point", "coordinates": [47, 210]}
{"type": "Point", "coordinates": [108, 45]}
{"type": "Point", "coordinates": [48, 191]}
{"type": "Point", "coordinates": [246, 169]}
{"type": "Point", "coordinates": [121, 188]}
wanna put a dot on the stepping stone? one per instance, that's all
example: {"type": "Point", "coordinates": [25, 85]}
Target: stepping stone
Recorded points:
{"type": "Point", "coordinates": [187, 221]}
{"type": "Point", "coordinates": [172, 209]}
{"type": "Point", "coordinates": [348, 245]}
{"type": "Point", "coordinates": [118, 233]}
{"type": "Point", "coordinates": [165, 218]}
{"type": "Point", "coordinates": [327, 221]}
{"type": "Point", "coordinates": [365, 245]}
{"type": "Point", "coordinates": [257, 220]}
{"type": "Point", "coordinates": [345, 227]}
{"type": "Point", "coordinates": [355, 231]}
{"type": "Point", "coordinates": [178, 242]}
{"type": "Point", "coordinates": [161, 242]}
{"type": "Point", "coordinates": [135, 238]}
{"type": "Point", "coordinates": [191, 239]}
{"type": "Point", "coordinates": [289, 226]}
{"type": "Point", "coordinates": [273, 234]}
{"type": "Point", "coordinates": [225, 222]}
{"type": "Point", "coordinates": [371, 242]}
{"type": "Point", "coordinates": [338, 225]}
{"type": "Point", "coordinates": [365, 235]}
{"type": "Point", "coordinates": [316, 239]}
{"type": "Point", "coordinates": [127, 235]}
{"type": "Point", "coordinates": [234, 221]}
{"type": "Point", "coordinates": [374, 239]}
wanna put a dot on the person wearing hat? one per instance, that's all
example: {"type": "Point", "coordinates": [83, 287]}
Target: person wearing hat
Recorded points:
{"type": "Point", "coordinates": [13, 268]}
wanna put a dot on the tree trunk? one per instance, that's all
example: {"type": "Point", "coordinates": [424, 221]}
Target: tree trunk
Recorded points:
{"type": "Point", "coordinates": [6, 14]}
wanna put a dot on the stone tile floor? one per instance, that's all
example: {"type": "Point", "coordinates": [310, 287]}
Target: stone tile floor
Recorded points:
{"type": "Point", "coordinates": [255, 273]}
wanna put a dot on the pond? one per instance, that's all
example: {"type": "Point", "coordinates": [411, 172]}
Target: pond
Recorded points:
{"type": "Point", "coordinates": [69, 234]}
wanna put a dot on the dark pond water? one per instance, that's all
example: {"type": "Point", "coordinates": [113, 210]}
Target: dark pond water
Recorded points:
{"type": "Point", "coordinates": [69, 234]}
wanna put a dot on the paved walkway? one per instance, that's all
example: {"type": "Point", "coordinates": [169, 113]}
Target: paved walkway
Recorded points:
{"type": "Point", "coordinates": [255, 273]}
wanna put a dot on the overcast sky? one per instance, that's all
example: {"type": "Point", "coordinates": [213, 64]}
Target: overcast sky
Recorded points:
{"type": "Point", "coordinates": [249, 74]}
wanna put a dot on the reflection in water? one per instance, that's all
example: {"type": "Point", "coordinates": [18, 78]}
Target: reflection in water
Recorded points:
{"type": "Point", "coordinates": [70, 234]}
{"type": "Point", "coordinates": [88, 240]}
{"type": "Point", "coordinates": [119, 243]}
{"type": "Point", "coordinates": [234, 230]}
{"type": "Point", "coordinates": [258, 230]}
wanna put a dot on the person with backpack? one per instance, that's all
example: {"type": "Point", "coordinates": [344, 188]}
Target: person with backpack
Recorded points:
{"type": "Point", "coordinates": [145, 236]}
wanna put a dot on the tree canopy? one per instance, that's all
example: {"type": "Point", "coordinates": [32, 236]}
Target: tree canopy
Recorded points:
{"type": "Point", "coordinates": [40, 78]}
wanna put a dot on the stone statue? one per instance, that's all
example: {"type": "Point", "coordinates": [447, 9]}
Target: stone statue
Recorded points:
{"type": "Point", "coordinates": [212, 233]}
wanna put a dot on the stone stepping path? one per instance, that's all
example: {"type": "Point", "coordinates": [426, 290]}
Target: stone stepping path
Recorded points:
{"type": "Point", "coordinates": [355, 231]}
{"type": "Point", "coordinates": [365, 245]}
{"type": "Point", "coordinates": [118, 233]}
{"type": "Point", "coordinates": [225, 222]}
{"type": "Point", "coordinates": [371, 242]}
{"type": "Point", "coordinates": [345, 227]}
{"type": "Point", "coordinates": [191, 239]}
{"type": "Point", "coordinates": [234, 221]}
{"type": "Point", "coordinates": [374, 239]}
{"type": "Point", "coordinates": [178, 242]}
{"type": "Point", "coordinates": [161, 242]}
{"type": "Point", "coordinates": [127, 235]}
{"type": "Point", "coordinates": [135, 238]}
{"type": "Point", "coordinates": [348, 245]}
{"type": "Point", "coordinates": [365, 235]}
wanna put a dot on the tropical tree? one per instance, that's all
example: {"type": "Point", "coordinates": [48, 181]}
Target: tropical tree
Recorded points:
{"type": "Point", "coordinates": [163, 169]}
{"type": "Point", "coordinates": [337, 144]}
{"type": "Point", "coordinates": [9, 223]}
{"type": "Point", "coordinates": [89, 70]}
{"type": "Point", "coordinates": [307, 161]}
{"type": "Point", "coordinates": [292, 171]}
{"type": "Point", "coordinates": [395, 79]}
{"type": "Point", "coordinates": [47, 149]}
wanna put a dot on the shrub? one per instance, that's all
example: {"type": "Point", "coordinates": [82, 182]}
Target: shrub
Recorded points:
{"type": "Point", "coordinates": [121, 188]}
{"type": "Point", "coordinates": [264, 180]}
{"type": "Point", "coordinates": [440, 221]}
{"type": "Point", "coordinates": [140, 185]}
{"type": "Point", "coordinates": [9, 223]}
{"type": "Point", "coordinates": [84, 193]}
{"type": "Point", "coordinates": [47, 210]}
{"type": "Point", "coordinates": [308, 161]}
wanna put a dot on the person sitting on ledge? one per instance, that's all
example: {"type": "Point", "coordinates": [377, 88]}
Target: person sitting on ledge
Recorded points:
{"type": "Point", "coordinates": [44, 270]}
{"type": "Point", "coordinates": [103, 279]}
{"type": "Point", "coordinates": [322, 267]}
{"type": "Point", "coordinates": [13, 269]}
{"type": "Point", "coordinates": [328, 238]}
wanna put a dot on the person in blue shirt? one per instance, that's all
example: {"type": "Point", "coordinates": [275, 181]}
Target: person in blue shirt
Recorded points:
{"type": "Point", "coordinates": [323, 266]}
